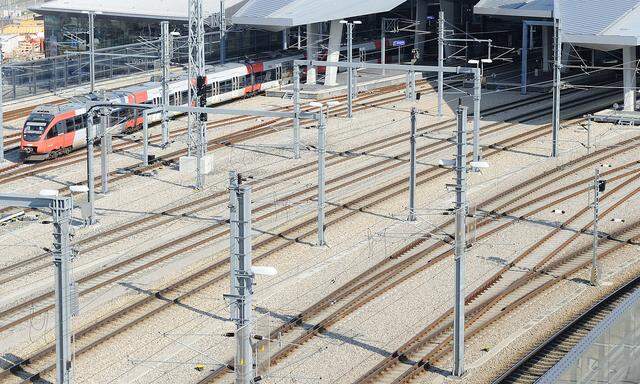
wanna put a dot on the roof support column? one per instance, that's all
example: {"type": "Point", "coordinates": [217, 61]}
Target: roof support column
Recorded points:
{"type": "Point", "coordinates": [545, 49]}
{"type": "Point", "coordinates": [335, 39]}
{"type": "Point", "coordinates": [421, 17]}
{"type": "Point", "coordinates": [630, 62]}
{"type": "Point", "coordinates": [313, 36]}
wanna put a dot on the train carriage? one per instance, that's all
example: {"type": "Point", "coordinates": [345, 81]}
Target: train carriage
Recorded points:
{"type": "Point", "coordinates": [51, 131]}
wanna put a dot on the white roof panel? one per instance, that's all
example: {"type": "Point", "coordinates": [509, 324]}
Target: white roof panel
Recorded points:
{"type": "Point", "coordinates": [517, 8]}
{"type": "Point", "coordinates": [584, 22]}
{"type": "Point", "coordinates": [154, 9]}
{"type": "Point", "coordinates": [289, 13]}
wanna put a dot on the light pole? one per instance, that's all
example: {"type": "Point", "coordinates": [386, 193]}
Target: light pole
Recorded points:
{"type": "Point", "coordinates": [350, 60]}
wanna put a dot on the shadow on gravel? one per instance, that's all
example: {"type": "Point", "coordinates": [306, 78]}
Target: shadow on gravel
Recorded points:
{"type": "Point", "coordinates": [8, 360]}
{"type": "Point", "coordinates": [328, 334]}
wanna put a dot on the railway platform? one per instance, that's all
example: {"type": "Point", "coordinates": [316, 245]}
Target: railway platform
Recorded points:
{"type": "Point", "coordinates": [367, 80]}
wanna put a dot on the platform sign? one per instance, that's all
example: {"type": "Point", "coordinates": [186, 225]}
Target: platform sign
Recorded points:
{"type": "Point", "coordinates": [399, 43]}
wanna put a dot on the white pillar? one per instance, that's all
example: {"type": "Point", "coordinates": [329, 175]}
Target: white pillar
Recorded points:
{"type": "Point", "coordinates": [313, 37]}
{"type": "Point", "coordinates": [545, 49]}
{"type": "Point", "coordinates": [335, 38]}
{"type": "Point", "coordinates": [629, 60]}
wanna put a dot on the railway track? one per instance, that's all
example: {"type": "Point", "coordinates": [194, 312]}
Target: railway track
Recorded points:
{"type": "Point", "coordinates": [18, 171]}
{"type": "Point", "coordinates": [164, 252]}
{"type": "Point", "coordinates": [18, 365]}
{"type": "Point", "coordinates": [501, 294]}
{"type": "Point", "coordinates": [539, 361]}
{"type": "Point", "coordinates": [34, 264]}
{"type": "Point", "coordinates": [375, 281]}
{"type": "Point", "coordinates": [26, 267]}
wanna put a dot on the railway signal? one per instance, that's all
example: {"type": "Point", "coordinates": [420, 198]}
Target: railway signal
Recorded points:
{"type": "Point", "coordinates": [599, 186]}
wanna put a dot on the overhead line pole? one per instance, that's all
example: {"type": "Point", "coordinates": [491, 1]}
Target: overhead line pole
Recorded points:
{"type": "Point", "coordinates": [166, 64]}
{"type": "Point", "coordinates": [412, 168]}
{"type": "Point", "coordinates": [223, 32]}
{"type": "Point", "coordinates": [241, 295]}
{"type": "Point", "coordinates": [105, 143]}
{"type": "Point", "coordinates": [92, 51]}
{"type": "Point", "coordinates": [1, 111]}
{"type": "Point", "coordinates": [460, 238]}
{"type": "Point", "coordinates": [321, 177]}
{"type": "Point", "coordinates": [440, 62]}
{"type": "Point", "coordinates": [296, 111]}
{"type": "Point", "coordinates": [91, 219]}
{"type": "Point", "coordinates": [557, 78]}
{"type": "Point", "coordinates": [62, 252]}
{"type": "Point", "coordinates": [197, 87]}
{"type": "Point", "coordinates": [383, 46]}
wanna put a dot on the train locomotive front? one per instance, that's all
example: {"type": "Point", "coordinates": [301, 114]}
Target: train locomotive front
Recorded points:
{"type": "Point", "coordinates": [51, 131]}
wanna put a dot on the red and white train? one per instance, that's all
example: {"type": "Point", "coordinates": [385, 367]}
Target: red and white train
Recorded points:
{"type": "Point", "coordinates": [53, 130]}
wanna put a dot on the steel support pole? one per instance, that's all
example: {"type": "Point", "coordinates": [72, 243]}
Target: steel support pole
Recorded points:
{"type": "Point", "coordinates": [596, 213]}
{"type": "Point", "coordinates": [557, 78]}
{"type": "Point", "coordinates": [104, 153]}
{"type": "Point", "coordinates": [1, 111]}
{"type": "Point", "coordinates": [412, 168]}
{"type": "Point", "coordinates": [477, 99]}
{"type": "Point", "coordinates": [244, 351]}
{"type": "Point", "coordinates": [92, 51]}
{"type": "Point", "coordinates": [321, 177]}
{"type": "Point", "coordinates": [145, 138]}
{"type": "Point", "coordinates": [296, 110]}
{"type": "Point", "coordinates": [524, 58]}
{"type": "Point", "coordinates": [223, 32]}
{"type": "Point", "coordinates": [440, 63]}
{"type": "Point", "coordinates": [61, 209]}
{"type": "Point", "coordinates": [461, 214]}
{"type": "Point", "coordinates": [90, 177]}
{"type": "Point", "coordinates": [383, 47]}
{"type": "Point", "coordinates": [350, 70]}
{"type": "Point", "coordinates": [234, 183]}
{"type": "Point", "coordinates": [166, 64]}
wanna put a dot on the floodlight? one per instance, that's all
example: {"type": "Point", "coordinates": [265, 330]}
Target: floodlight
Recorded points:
{"type": "Point", "coordinates": [447, 162]}
{"type": "Point", "coordinates": [344, 22]}
{"type": "Point", "coordinates": [264, 270]}
{"type": "Point", "coordinates": [357, 22]}
{"type": "Point", "coordinates": [49, 192]}
{"type": "Point", "coordinates": [316, 104]}
{"type": "Point", "coordinates": [79, 188]}
{"type": "Point", "coordinates": [487, 61]}
{"type": "Point", "coordinates": [473, 61]}
{"type": "Point", "coordinates": [479, 164]}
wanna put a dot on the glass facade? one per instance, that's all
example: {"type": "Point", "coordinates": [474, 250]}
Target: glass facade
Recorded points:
{"type": "Point", "coordinates": [69, 33]}
{"type": "Point", "coordinates": [614, 357]}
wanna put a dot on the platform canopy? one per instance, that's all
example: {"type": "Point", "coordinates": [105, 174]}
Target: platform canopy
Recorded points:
{"type": "Point", "coordinates": [148, 9]}
{"type": "Point", "coordinates": [592, 23]}
{"type": "Point", "coordinates": [291, 13]}
{"type": "Point", "coordinates": [530, 8]}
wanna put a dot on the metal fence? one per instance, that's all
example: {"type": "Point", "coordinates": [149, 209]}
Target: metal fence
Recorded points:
{"type": "Point", "coordinates": [72, 70]}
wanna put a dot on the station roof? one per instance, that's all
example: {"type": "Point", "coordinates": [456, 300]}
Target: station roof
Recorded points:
{"type": "Point", "coordinates": [584, 22]}
{"type": "Point", "coordinates": [290, 13]}
{"type": "Point", "coordinates": [517, 8]}
{"type": "Point", "coordinates": [148, 9]}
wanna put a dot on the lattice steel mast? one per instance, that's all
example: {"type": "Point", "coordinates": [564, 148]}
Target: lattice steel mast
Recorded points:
{"type": "Point", "coordinates": [197, 96]}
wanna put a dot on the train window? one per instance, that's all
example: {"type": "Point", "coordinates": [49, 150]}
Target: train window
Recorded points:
{"type": "Point", "coordinates": [172, 99]}
{"type": "Point", "coordinates": [226, 86]}
{"type": "Point", "coordinates": [185, 97]}
{"type": "Point", "coordinates": [61, 127]}
{"type": "Point", "coordinates": [209, 90]}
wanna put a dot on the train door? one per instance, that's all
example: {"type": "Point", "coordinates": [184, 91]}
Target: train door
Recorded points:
{"type": "Point", "coordinates": [279, 72]}
{"type": "Point", "coordinates": [235, 82]}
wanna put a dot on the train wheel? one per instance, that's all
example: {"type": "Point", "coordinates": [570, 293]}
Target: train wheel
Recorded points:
{"type": "Point", "coordinates": [53, 154]}
{"type": "Point", "coordinates": [66, 151]}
